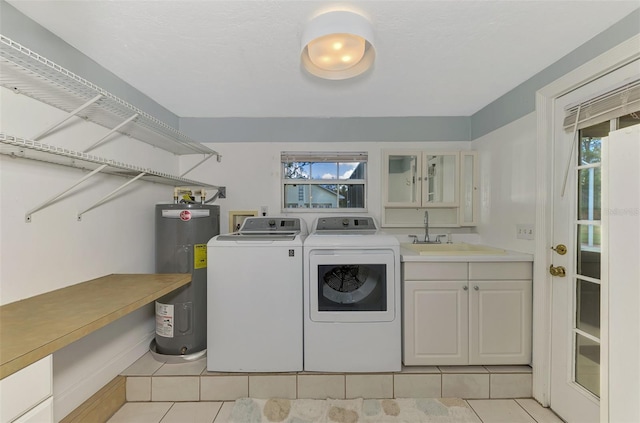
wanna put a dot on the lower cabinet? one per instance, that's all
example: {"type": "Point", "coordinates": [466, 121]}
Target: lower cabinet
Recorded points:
{"type": "Point", "coordinates": [42, 413]}
{"type": "Point", "coordinates": [26, 396]}
{"type": "Point", "coordinates": [467, 313]}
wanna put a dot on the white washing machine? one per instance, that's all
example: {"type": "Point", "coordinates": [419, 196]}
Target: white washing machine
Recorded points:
{"type": "Point", "coordinates": [254, 297]}
{"type": "Point", "coordinates": [352, 319]}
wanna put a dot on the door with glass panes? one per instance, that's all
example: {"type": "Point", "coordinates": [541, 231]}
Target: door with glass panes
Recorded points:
{"type": "Point", "coordinates": [578, 281]}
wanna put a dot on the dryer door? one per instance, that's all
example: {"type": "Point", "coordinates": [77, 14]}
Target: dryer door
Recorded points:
{"type": "Point", "coordinates": [351, 285]}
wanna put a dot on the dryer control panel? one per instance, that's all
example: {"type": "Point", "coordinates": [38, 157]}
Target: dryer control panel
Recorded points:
{"type": "Point", "coordinates": [346, 223]}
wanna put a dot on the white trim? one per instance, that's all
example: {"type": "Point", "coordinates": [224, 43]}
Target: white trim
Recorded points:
{"type": "Point", "coordinates": [607, 62]}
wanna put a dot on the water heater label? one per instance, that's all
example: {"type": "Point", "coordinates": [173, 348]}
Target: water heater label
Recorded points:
{"type": "Point", "coordinates": [200, 256]}
{"type": "Point", "coordinates": [185, 214]}
{"type": "Point", "coordinates": [164, 320]}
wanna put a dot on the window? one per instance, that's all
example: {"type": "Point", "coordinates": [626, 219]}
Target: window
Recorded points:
{"type": "Point", "coordinates": [321, 181]}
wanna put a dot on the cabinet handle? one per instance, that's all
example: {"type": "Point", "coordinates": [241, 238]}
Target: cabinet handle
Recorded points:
{"type": "Point", "coordinates": [476, 288]}
{"type": "Point", "coordinates": [466, 288]}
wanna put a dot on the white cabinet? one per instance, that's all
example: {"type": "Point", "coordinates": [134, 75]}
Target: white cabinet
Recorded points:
{"type": "Point", "coordinates": [24, 394]}
{"type": "Point", "coordinates": [421, 179]}
{"type": "Point", "coordinates": [500, 309]}
{"type": "Point", "coordinates": [466, 313]}
{"type": "Point", "coordinates": [469, 176]}
{"type": "Point", "coordinates": [42, 413]}
{"type": "Point", "coordinates": [443, 182]}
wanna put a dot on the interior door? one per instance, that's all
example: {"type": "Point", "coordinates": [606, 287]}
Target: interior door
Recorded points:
{"type": "Point", "coordinates": [577, 277]}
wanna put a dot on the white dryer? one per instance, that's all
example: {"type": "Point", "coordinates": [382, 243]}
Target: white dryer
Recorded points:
{"type": "Point", "coordinates": [352, 319]}
{"type": "Point", "coordinates": [254, 297]}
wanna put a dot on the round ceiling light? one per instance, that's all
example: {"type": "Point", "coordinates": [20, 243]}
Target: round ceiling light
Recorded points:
{"type": "Point", "coordinates": [338, 45]}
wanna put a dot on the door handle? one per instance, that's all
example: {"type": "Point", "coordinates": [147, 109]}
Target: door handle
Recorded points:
{"type": "Point", "coordinates": [559, 271]}
{"type": "Point", "coordinates": [560, 249]}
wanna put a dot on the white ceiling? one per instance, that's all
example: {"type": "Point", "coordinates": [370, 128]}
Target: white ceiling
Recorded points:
{"type": "Point", "coordinates": [242, 58]}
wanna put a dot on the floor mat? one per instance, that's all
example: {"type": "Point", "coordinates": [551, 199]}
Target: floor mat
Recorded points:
{"type": "Point", "coordinates": [401, 410]}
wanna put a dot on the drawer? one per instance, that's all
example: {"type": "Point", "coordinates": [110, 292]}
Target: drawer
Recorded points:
{"type": "Point", "coordinates": [43, 413]}
{"type": "Point", "coordinates": [500, 270]}
{"type": "Point", "coordinates": [25, 389]}
{"type": "Point", "coordinates": [425, 271]}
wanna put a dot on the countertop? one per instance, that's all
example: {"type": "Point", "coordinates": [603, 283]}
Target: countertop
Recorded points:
{"type": "Point", "coordinates": [407, 255]}
{"type": "Point", "coordinates": [35, 327]}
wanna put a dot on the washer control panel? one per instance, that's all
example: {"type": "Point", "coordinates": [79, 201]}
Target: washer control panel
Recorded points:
{"type": "Point", "coordinates": [271, 224]}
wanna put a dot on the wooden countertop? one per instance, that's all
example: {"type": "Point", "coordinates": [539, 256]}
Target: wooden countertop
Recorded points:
{"type": "Point", "coordinates": [35, 327]}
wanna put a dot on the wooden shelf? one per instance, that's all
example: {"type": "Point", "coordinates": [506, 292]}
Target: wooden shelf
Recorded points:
{"type": "Point", "coordinates": [35, 327]}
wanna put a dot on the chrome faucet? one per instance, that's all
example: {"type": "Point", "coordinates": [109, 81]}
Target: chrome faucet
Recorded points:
{"type": "Point", "coordinates": [426, 226]}
{"type": "Point", "coordinates": [427, 238]}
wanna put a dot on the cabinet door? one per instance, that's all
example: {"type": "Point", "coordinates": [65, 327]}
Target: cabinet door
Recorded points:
{"type": "Point", "coordinates": [21, 391]}
{"type": "Point", "coordinates": [435, 322]}
{"type": "Point", "coordinates": [468, 188]}
{"type": "Point", "coordinates": [401, 179]}
{"type": "Point", "coordinates": [440, 173]}
{"type": "Point", "coordinates": [500, 322]}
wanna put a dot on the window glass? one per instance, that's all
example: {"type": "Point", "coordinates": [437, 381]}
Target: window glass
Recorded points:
{"type": "Point", "coordinates": [324, 184]}
{"type": "Point", "coordinates": [629, 120]}
{"type": "Point", "coordinates": [589, 195]}
{"type": "Point", "coordinates": [588, 251]}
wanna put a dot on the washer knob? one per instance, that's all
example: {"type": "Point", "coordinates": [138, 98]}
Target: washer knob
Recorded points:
{"type": "Point", "coordinates": [345, 222]}
{"type": "Point", "coordinates": [272, 222]}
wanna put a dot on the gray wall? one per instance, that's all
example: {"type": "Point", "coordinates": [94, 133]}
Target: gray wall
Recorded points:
{"type": "Point", "coordinates": [522, 100]}
{"type": "Point", "coordinates": [453, 128]}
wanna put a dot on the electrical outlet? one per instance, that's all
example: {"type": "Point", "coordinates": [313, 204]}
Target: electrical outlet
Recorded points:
{"type": "Point", "coordinates": [264, 210]}
{"type": "Point", "coordinates": [525, 231]}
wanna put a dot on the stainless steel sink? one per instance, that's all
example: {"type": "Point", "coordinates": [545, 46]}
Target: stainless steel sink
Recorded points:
{"type": "Point", "coordinates": [460, 249]}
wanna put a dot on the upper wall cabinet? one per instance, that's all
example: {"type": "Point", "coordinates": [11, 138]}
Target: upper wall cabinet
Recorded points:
{"type": "Point", "coordinates": [421, 179]}
{"type": "Point", "coordinates": [443, 182]}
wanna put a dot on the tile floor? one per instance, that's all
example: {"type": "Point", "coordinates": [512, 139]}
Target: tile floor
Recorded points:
{"type": "Point", "coordinates": [176, 393]}
{"type": "Point", "coordinates": [149, 380]}
{"type": "Point", "coordinates": [488, 411]}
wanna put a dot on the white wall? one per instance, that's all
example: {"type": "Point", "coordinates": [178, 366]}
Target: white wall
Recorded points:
{"type": "Point", "coordinates": [507, 183]}
{"type": "Point", "coordinates": [55, 250]}
{"type": "Point", "coordinates": [251, 172]}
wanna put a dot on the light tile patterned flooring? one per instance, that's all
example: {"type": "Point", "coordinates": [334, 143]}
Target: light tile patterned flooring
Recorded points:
{"type": "Point", "coordinates": [489, 411]}
{"type": "Point", "coordinates": [149, 380]}
{"type": "Point", "coordinates": [162, 393]}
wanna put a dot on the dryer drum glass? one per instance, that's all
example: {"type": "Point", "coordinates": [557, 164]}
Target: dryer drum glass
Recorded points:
{"type": "Point", "coordinates": [349, 284]}
{"type": "Point", "coordinates": [346, 278]}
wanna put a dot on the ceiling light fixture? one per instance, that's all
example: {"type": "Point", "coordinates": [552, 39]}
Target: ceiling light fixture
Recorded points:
{"type": "Point", "coordinates": [338, 45]}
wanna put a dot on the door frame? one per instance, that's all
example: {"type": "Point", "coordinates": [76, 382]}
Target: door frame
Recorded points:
{"type": "Point", "coordinates": [612, 59]}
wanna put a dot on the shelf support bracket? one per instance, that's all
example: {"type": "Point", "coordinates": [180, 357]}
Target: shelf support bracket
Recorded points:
{"type": "Point", "coordinates": [101, 140]}
{"type": "Point", "coordinates": [108, 196]}
{"type": "Point", "coordinates": [55, 197]}
{"type": "Point", "coordinates": [199, 163]}
{"type": "Point", "coordinates": [66, 118]}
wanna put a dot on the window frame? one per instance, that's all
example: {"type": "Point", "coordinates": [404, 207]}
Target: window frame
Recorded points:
{"type": "Point", "coordinates": [323, 157]}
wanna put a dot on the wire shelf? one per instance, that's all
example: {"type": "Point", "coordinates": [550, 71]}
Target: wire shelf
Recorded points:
{"type": "Point", "coordinates": [33, 150]}
{"type": "Point", "coordinates": [26, 72]}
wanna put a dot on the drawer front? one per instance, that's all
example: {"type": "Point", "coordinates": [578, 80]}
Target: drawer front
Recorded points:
{"type": "Point", "coordinates": [25, 389]}
{"type": "Point", "coordinates": [423, 271]}
{"type": "Point", "coordinates": [43, 413]}
{"type": "Point", "coordinates": [522, 270]}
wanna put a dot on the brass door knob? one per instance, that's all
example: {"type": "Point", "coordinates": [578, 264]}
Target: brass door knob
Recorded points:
{"type": "Point", "coordinates": [557, 271]}
{"type": "Point", "coordinates": [560, 249]}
